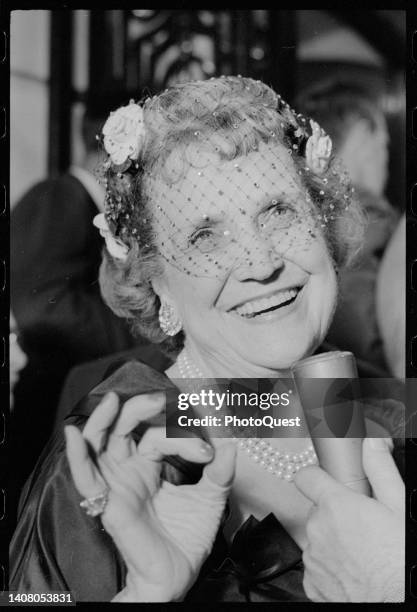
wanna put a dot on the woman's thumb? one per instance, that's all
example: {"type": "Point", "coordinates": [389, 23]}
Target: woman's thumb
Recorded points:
{"type": "Point", "coordinates": [382, 473]}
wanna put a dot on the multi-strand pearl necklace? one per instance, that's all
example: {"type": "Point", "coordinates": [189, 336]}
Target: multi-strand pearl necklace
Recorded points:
{"type": "Point", "coordinates": [280, 464]}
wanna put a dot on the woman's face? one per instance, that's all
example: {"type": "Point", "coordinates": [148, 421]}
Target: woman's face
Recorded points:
{"type": "Point", "coordinates": [245, 263]}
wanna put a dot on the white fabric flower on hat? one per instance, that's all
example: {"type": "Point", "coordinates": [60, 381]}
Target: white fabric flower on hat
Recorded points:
{"type": "Point", "coordinates": [116, 248]}
{"type": "Point", "coordinates": [124, 132]}
{"type": "Point", "coordinates": [318, 149]}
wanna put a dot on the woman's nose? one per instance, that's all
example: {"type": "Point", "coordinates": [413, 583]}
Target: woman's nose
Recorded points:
{"type": "Point", "coordinates": [258, 259]}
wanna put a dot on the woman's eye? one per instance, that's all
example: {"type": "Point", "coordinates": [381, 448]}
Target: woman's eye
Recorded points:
{"type": "Point", "coordinates": [281, 214]}
{"type": "Point", "coordinates": [279, 210]}
{"type": "Point", "coordinates": [205, 239]}
{"type": "Point", "coordinates": [201, 234]}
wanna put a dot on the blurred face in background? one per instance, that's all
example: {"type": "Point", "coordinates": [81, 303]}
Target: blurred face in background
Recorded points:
{"type": "Point", "coordinates": [365, 154]}
{"type": "Point", "coordinates": [18, 359]}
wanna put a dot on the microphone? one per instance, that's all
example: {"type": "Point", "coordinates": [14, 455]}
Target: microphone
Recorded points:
{"type": "Point", "coordinates": [334, 417]}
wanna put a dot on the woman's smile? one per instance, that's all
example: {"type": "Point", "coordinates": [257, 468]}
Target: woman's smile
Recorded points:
{"type": "Point", "coordinates": [271, 306]}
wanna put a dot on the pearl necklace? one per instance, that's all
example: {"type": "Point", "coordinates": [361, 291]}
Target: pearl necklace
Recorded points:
{"type": "Point", "coordinates": [279, 464]}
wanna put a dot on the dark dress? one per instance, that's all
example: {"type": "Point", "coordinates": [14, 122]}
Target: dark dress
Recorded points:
{"type": "Point", "coordinates": [58, 547]}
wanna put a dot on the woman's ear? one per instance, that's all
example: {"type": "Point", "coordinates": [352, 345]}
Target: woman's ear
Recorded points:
{"type": "Point", "coordinates": [160, 287]}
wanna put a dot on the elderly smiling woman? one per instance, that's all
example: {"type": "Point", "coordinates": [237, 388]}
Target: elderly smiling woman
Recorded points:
{"type": "Point", "coordinates": [226, 222]}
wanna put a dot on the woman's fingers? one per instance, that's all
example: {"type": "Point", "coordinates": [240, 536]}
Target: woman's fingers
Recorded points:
{"type": "Point", "coordinates": [100, 420]}
{"type": "Point", "coordinates": [86, 477]}
{"type": "Point", "coordinates": [221, 470]}
{"type": "Point", "coordinates": [155, 445]}
{"type": "Point", "coordinates": [137, 409]}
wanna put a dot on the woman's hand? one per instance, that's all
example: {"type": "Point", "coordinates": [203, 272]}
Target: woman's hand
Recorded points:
{"type": "Point", "coordinates": [164, 532]}
{"type": "Point", "coordinates": [356, 545]}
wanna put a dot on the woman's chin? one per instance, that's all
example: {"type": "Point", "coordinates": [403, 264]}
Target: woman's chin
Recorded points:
{"type": "Point", "coordinates": [284, 353]}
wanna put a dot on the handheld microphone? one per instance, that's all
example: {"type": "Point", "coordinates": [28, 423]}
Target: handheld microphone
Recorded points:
{"type": "Point", "coordinates": [334, 418]}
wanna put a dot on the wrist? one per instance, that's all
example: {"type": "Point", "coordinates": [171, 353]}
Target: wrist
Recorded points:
{"type": "Point", "coordinates": [395, 592]}
{"type": "Point", "coordinates": [139, 591]}
{"type": "Point", "coordinates": [389, 587]}
{"type": "Point", "coordinates": [140, 595]}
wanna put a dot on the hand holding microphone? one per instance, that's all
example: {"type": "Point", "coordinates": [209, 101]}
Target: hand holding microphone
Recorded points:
{"type": "Point", "coordinates": [336, 423]}
{"type": "Point", "coordinates": [355, 544]}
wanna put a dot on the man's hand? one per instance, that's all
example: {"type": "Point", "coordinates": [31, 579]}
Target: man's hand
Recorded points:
{"type": "Point", "coordinates": [356, 545]}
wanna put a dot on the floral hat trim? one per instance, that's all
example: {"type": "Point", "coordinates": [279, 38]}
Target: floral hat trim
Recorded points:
{"type": "Point", "coordinates": [124, 133]}
{"type": "Point", "coordinates": [117, 249]}
{"type": "Point", "coordinates": [318, 149]}
{"type": "Point", "coordinates": [123, 137]}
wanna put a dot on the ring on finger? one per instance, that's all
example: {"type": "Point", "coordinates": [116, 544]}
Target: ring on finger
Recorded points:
{"type": "Point", "coordinates": [94, 506]}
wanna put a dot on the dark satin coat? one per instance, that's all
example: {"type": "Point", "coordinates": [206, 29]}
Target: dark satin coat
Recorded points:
{"type": "Point", "coordinates": [57, 547]}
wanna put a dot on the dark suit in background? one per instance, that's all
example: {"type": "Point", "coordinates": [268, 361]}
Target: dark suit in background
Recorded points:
{"type": "Point", "coordinates": [55, 295]}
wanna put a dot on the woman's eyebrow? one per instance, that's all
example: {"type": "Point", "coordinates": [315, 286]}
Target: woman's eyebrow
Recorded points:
{"type": "Point", "coordinates": [206, 220]}
{"type": "Point", "coordinates": [281, 196]}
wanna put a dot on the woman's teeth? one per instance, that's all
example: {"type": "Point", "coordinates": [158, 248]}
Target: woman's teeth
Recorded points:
{"type": "Point", "coordinates": [255, 307]}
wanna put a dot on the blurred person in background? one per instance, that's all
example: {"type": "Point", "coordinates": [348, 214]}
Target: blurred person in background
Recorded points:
{"type": "Point", "coordinates": [360, 138]}
{"type": "Point", "coordinates": [390, 301]}
{"type": "Point", "coordinates": [17, 358]}
{"type": "Point", "coordinates": [55, 296]}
